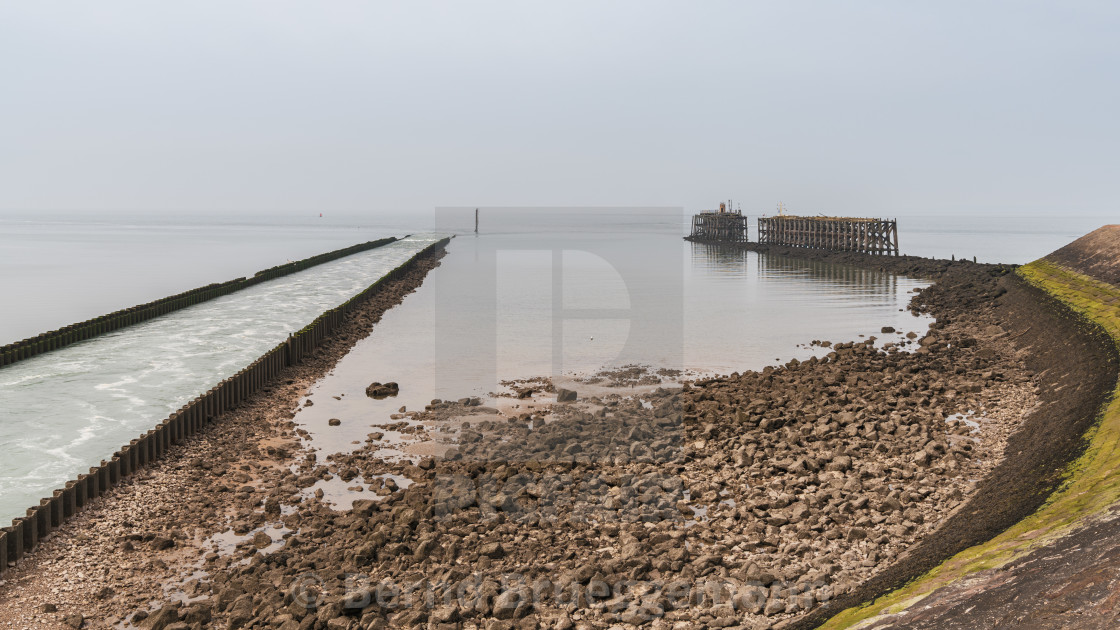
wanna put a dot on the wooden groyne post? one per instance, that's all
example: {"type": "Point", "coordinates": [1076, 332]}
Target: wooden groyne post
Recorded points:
{"type": "Point", "coordinates": [26, 532]}
{"type": "Point", "coordinates": [74, 333]}
{"type": "Point", "coordinates": [843, 234]}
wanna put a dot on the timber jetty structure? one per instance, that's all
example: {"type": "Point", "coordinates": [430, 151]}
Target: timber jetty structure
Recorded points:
{"type": "Point", "coordinates": [843, 234]}
{"type": "Point", "coordinates": [723, 225]}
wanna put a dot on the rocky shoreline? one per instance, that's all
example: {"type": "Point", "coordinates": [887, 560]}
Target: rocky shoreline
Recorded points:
{"type": "Point", "coordinates": [761, 499]}
{"type": "Point", "coordinates": [1074, 366]}
{"type": "Point", "coordinates": [1056, 567]}
{"type": "Point", "coordinates": [120, 552]}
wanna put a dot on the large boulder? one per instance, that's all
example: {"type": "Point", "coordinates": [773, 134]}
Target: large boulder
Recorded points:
{"type": "Point", "coordinates": [513, 604]}
{"type": "Point", "coordinates": [162, 618]}
{"type": "Point", "coordinates": [382, 390]}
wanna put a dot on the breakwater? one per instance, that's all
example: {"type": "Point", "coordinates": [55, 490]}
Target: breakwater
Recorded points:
{"type": "Point", "coordinates": [41, 519]}
{"type": "Point", "coordinates": [1066, 547]}
{"type": "Point", "coordinates": [845, 234]}
{"type": "Point", "coordinates": [1076, 369]}
{"type": "Point", "coordinates": [726, 227]}
{"type": "Point", "coordinates": [74, 333]}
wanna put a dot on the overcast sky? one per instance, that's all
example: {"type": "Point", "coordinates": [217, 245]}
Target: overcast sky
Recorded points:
{"type": "Point", "coordinates": [859, 107]}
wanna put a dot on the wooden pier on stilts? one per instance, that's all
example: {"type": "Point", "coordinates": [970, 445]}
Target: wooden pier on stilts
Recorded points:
{"type": "Point", "coordinates": [723, 225]}
{"type": "Point", "coordinates": [842, 234]}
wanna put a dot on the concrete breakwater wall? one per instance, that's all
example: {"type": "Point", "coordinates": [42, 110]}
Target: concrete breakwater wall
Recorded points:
{"type": "Point", "coordinates": [26, 532]}
{"type": "Point", "coordinates": [45, 342]}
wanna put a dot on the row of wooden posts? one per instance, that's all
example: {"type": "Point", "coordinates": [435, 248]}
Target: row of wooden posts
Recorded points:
{"type": "Point", "coordinates": [26, 532]}
{"type": "Point", "coordinates": [868, 236]}
{"type": "Point", "coordinates": [55, 339]}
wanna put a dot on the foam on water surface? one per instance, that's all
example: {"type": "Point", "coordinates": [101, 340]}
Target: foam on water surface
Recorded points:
{"type": "Point", "coordinates": [66, 410]}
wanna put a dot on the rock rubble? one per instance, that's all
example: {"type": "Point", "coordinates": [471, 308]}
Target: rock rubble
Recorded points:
{"type": "Point", "coordinates": [744, 500]}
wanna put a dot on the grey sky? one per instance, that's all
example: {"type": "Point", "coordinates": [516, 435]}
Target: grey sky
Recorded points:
{"type": "Point", "coordinates": [887, 108]}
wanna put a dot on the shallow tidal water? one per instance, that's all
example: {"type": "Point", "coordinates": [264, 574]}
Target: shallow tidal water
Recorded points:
{"type": "Point", "coordinates": [536, 293]}
{"type": "Point", "coordinates": [569, 296]}
{"type": "Point", "coordinates": [66, 410]}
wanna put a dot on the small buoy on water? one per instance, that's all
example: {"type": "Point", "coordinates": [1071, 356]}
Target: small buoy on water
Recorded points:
{"type": "Point", "coordinates": [592, 339]}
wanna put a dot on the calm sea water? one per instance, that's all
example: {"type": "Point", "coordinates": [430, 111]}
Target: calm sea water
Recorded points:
{"type": "Point", "coordinates": [65, 411]}
{"type": "Point", "coordinates": [61, 269]}
{"type": "Point", "coordinates": [1002, 239]}
{"type": "Point", "coordinates": [546, 292]}
{"type": "Point", "coordinates": [570, 300]}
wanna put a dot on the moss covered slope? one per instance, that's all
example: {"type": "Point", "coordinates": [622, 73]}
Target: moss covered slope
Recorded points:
{"type": "Point", "coordinates": [1092, 482]}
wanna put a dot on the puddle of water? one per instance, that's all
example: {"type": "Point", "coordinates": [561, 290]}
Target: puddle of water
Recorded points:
{"type": "Point", "coordinates": [969, 418]}
{"type": "Point", "coordinates": [228, 542]}
{"type": "Point", "coordinates": [177, 591]}
{"type": "Point", "coordinates": [340, 495]}
{"type": "Point", "coordinates": [699, 515]}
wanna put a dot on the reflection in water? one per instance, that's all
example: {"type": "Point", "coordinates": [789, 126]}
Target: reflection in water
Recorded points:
{"type": "Point", "coordinates": [66, 410]}
{"type": "Point", "coordinates": [505, 305]}
{"type": "Point", "coordinates": [838, 277]}
{"type": "Point", "coordinates": [746, 310]}
{"type": "Point", "coordinates": [717, 258]}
